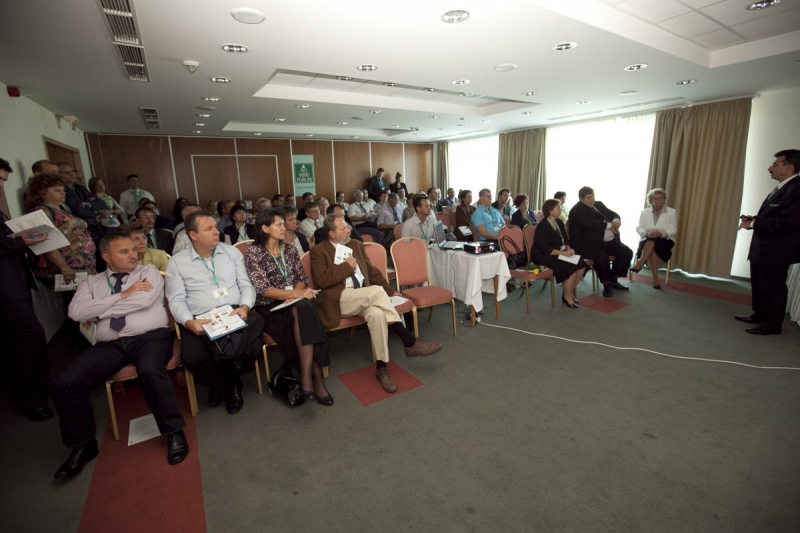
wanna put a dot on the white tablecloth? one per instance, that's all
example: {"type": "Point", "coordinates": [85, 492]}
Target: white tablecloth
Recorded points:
{"type": "Point", "coordinates": [793, 304]}
{"type": "Point", "coordinates": [469, 275]}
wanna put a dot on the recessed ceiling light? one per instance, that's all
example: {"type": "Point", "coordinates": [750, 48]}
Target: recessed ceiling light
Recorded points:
{"type": "Point", "coordinates": [302, 106]}
{"type": "Point", "coordinates": [460, 82]}
{"type": "Point", "coordinates": [235, 48]}
{"type": "Point", "coordinates": [206, 108]}
{"type": "Point", "coordinates": [196, 131]}
{"type": "Point", "coordinates": [245, 15]}
{"type": "Point", "coordinates": [434, 116]}
{"type": "Point", "coordinates": [527, 112]}
{"type": "Point", "coordinates": [441, 129]}
{"type": "Point", "coordinates": [484, 121]}
{"type": "Point", "coordinates": [460, 125]}
{"type": "Point", "coordinates": [560, 47]}
{"type": "Point", "coordinates": [529, 93]}
{"type": "Point", "coordinates": [367, 68]}
{"type": "Point", "coordinates": [505, 67]}
{"type": "Point", "coordinates": [357, 118]}
{"type": "Point", "coordinates": [198, 124]}
{"type": "Point", "coordinates": [342, 123]}
{"type": "Point", "coordinates": [211, 99]}
{"type": "Point", "coordinates": [204, 115]}
{"type": "Point", "coordinates": [635, 67]}
{"type": "Point", "coordinates": [628, 93]}
{"type": "Point", "coordinates": [343, 78]}
{"type": "Point", "coordinates": [415, 134]}
{"type": "Point", "coordinates": [685, 82]}
{"type": "Point", "coordinates": [390, 84]}
{"type": "Point", "coordinates": [582, 102]}
{"type": "Point", "coordinates": [455, 16]}
{"type": "Point", "coordinates": [220, 79]}
{"type": "Point", "coordinates": [763, 5]}
{"type": "Point", "coordinates": [279, 119]}
{"type": "Point", "coordinates": [257, 134]}
{"type": "Point", "coordinates": [309, 134]}
{"type": "Point", "coordinates": [431, 89]}
{"type": "Point", "coordinates": [354, 136]}
{"type": "Point", "coordinates": [375, 111]}
{"type": "Point", "coordinates": [466, 94]}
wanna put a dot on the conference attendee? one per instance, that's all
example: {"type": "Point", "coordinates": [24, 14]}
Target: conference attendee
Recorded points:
{"type": "Point", "coordinates": [126, 304]}
{"type": "Point", "coordinates": [81, 202]}
{"type": "Point", "coordinates": [144, 255]}
{"type": "Point", "coordinates": [384, 197]}
{"type": "Point", "coordinates": [775, 245]}
{"type": "Point", "coordinates": [340, 200]}
{"type": "Point", "coordinates": [156, 237]}
{"type": "Point", "coordinates": [323, 205]}
{"type": "Point", "coordinates": [658, 225]}
{"type": "Point", "coordinates": [486, 220]}
{"type": "Point", "coordinates": [224, 212]}
{"type": "Point", "coordinates": [401, 197]}
{"type": "Point", "coordinates": [290, 201]}
{"type": "Point", "coordinates": [398, 185]}
{"type": "Point", "coordinates": [390, 216]}
{"type": "Point", "coordinates": [376, 185]}
{"type": "Point", "coordinates": [208, 275]}
{"type": "Point", "coordinates": [450, 200]}
{"type": "Point", "coordinates": [561, 196]}
{"type": "Point", "coordinates": [408, 211]}
{"type": "Point", "coordinates": [321, 235]}
{"type": "Point", "coordinates": [436, 204]}
{"type": "Point", "coordinates": [161, 222]}
{"type": "Point", "coordinates": [211, 207]}
{"type": "Point", "coordinates": [356, 287]}
{"type": "Point", "coordinates": [594, 233]}
{"type": "Point", "coordinates": [502, 202]}
{"type": "Point", "coordinates": [307, 199]}
{"type": "Point", "coordinates": [463, 215]}
{"type": "Point", "coordinates": [175, 217]}
{"type": "Point", "coordinates": [551, 241]}
{"type": "Point", "coordinates": [240, 230]}
{"type": "Point", "coordinates": [294, 237]}
{"type": "Point", "coordinates": [359, 212]}
{"type": "Point", "coordinates": [422, 223]}
{"type": "Point", "coordinates": [523, 215]}
{"type": "Point", "coordinates": [278, 200]}
{"type": "Point", "coordinates": [113, 216]}
{"type": "Point", "coordinates": [262, 203]}
{"type": "Point", "coordinates": [277, 275]}
{"type": "Point", "coordinates": [312, 221]}
{"type": "Point", "coordinates": [25, 349]}
{"type": "Point", "coordinates": [369, 202]}
{"type": "Point", "coordinates": [44, 167]}
{"type": "Point", "coordinates": [181, 240]}
{"type": "Point", "coordinates": [129, 199]}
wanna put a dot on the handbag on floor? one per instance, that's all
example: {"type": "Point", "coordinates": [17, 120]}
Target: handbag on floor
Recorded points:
{"type": "Point", "coordinates": [286, 386]}
{"type": "Point", "coordinates": [515, 257]}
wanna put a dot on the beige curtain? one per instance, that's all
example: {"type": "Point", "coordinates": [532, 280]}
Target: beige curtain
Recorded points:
{"type": "Point", "coordinates": [441, 179]}
{"type": "Point", "coordinates": [698, 159]}
{"type": "Point", "coordinates": [520, 165]}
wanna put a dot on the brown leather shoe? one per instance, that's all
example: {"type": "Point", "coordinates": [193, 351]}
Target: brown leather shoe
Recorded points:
{"type": "Point", "coordinates": [422, 347]}
{"type": "Point", "coordinates": [387, 381]}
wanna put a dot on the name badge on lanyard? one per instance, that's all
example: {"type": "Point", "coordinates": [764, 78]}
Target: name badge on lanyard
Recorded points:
{"type": "Point", "coordinates": [220, 293]}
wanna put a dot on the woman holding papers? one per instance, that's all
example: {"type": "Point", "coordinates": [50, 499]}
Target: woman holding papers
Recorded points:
{"type": "Point", "coordinates": [551, 241]}
{"type": "Point", "coordinates": [463, 214]}
{"type": "Point", "coordinates": [277, 274]}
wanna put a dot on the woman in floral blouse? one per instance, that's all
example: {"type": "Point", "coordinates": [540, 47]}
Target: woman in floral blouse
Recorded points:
{"type": "Point", "coordinates": [277, 274]}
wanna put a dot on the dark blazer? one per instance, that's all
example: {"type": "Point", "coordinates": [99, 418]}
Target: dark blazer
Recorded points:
{"type": "Point", "coordinates": [330, 278]}
{"type": "Point", "coordinates": [776, 231]}
{"type": "Point", "coordinates": [587, 227]}
{"type": "Point", "coordinates": [394, 187]}
{"type": "Point", "coordinates": [233, 232]}
{"type": "Point", "coordinates": [163, 240]}
{"type": "Point", "coordinates": [78, 194]}
{"type": "Point", "coordinates": [518, 220]}
{"type": "Point", "coordinates": [374, 188]}
{"type": "Point", "coordinates": [16, 280]}
{"type": "Point", "coordinates": [546, 239]}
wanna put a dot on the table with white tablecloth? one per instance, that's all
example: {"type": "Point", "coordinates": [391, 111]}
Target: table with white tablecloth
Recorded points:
{"type": "Point", "coordinates": [469, 275]}
{"type": "Point", "coordinates": [793, 304]}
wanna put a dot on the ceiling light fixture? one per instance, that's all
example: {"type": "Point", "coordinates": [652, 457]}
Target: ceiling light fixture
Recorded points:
{"type": "Point", "coordinates": [375, 111]}
{"type": "Point", "coordinates": [245, 15]}
{"type": "Point", "coordinates": [685, 82]}
{"type": "Point", "coordinates": [204, 115]}
{"type": "Point", "coordinates": [309, 134]}
{"type": "Point", "coordinates": [342, 123]}
{"type": "Point", "coordinates": [582, 102]}
{"type": "Point", "coordinates": [211, 99]}
{"type": "Point", "coordinates": [390, 84]}
{"type": "Point", "coordinates": [527, 112]}
{"type": "Point", "coordinates": [196, 131]}
{"type": "Point", "coordinates": [455, 16]}
{"type": "Point", "coordinates": [235, 48]}
{"type": "Point", "coordinates": [484, 121]}
{"type": "Point", "coordinates": [431, 89]}
{"type": "Point", "coordinates": [367, 68]}
{"type": "Point", "coordinates": [460, 82]}
{"type": "Point", "coordinates": [460, 125]}
{"type": "Point", "coordinates": [302, 106]}
{"type": "Point", "coordinates": [220, 79]}
{"type": "Point", "coordinates": [257, 134]}
{"type": "Point", "coordinates": [415, 134]}
{"type": "Point", "coordinates": [505, 67]}
{"type": "Point", "coordinates": [441, 129]}
{"type": "Point", "coordinates": [343, 78]}
{"type": "Point", "coordinates": [466, 94]}
{"type": "Point", "coordinates": [354, 136]}
{"type": "Point", "coordinates": [434, 116]}
{"type": "Point", "coordinates": [560, 47]}
{"type": "Point", "coordinates": [279, 119]}
{"type": "Point", "coordinates": [529, 93]}
{"type": "Point", "coordinates": [762, 5]}
{"type": "Point", "coordinates": [357, 118]}
{"type": "Point", "coordinates": [628, 93]}
{"type": "Point", "coordinates": [635, 67]}
{"type": "Point", "coordinates": [206, 108]}
{"type": "Point", "coordinates": [200, 124]}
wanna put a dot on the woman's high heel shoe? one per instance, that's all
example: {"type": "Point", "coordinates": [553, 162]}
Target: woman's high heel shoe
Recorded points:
{"type": "Point", "coordinates": [635, 270]}
{"type": "Point", "coordinates": [309, 394]}
{"type": "Point", "coordinates": [570, 305]}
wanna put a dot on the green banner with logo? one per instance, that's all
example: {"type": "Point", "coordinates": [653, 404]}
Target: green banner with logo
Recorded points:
{"type": "Point", "coordinates": [304, 181]}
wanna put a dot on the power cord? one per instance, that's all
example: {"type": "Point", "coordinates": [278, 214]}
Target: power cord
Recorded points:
{"type": "Point", "coordinates": [642, 350]}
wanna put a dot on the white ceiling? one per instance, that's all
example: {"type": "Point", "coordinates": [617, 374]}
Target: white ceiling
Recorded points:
{"type": "Point", "coordinates": [61, 56]}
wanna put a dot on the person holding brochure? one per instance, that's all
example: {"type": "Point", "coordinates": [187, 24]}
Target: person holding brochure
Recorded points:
{"type": "Point", "coordinates": [277, 274]}
{"type": "Point", "coordinates": [127, 304]}
{"type": "Point", "coordinates": [550, 243]}
{"type": "Point", "coordinates": [199, 279]}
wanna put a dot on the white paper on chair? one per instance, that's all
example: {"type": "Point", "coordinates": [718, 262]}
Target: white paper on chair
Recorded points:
{"type": "Point", "coordinates": [572, 259]}
{"type": "Point", "coordinates": [465, 231]}
{"type": "Point", "coordinates": [397, 300]}
{"type": "Point", "coordinates": [142, 429]}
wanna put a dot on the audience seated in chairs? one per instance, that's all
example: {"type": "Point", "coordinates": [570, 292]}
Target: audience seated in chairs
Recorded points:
{"type": "Point", "coordinates": [180, 240]}
{"type": "Point", "coordinates": [145, 255]}
{"type": "Point", "coordinates": [523, 215]}
{"type": "Point", "coordinates": [240, 230]}
{"type": "Point", "coordinates": [422, 223]}
{"type": "Point", "coordinates": [486, 219]}
{"type": "Point", "coordinates": [463, 215]}
{"type": "Point", "coordinates": [130, 199]}
{"type": "Point", "coordinates": [157, 238]}
{"type": "Point", "coordinates": [658, 225]}
{"type": "Point", "coordinates": [561, 196]}
{"type": "Point", "coordinates": [436, 205]}
{"type": "Point", "coordinates": [390, 216]}
{"type": "Point", "coordinates": [293, 237]}
{"type": "Point", "coordinates": [502, 202]}
{"type": "Point", "coordinates": [312, 221]}
{"type": "Point", "coordinates": [126, 304]}
{"type": "Point", "coordinates": [223, 214]}
{"type": "Point", "coordinates": [321, 235]}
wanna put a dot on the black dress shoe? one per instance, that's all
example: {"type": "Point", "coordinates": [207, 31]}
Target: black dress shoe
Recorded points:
{"type": "Point", "coordinates": [759, 330]}
{"type": "Point", "coordinates": [607, 292]}
{"type": "Point", "coordinates": [636, 270]}
{"type": "Point", "coordinates": [177, 447]}
{"type": "Point", "coordinates": [657, 286]}
{"type": "Point", "coordinates": [327, 401]}
{"type": "Point", "coordinates": [235, 401]}
{"type": "Point", "coordinates": [619, 286]}
{"type": "Point", "coordinates": [745, 318]}
{"type": "Point", "coordinates": [80, 456]}
{"type": "Point", "coordinates": [308, 394]}
{"type": "Point", "coordinates": [39, 414]}
{"type": "Point", "coordinates": [570, 305]}
{"type": "Point", "coordinates": [214, 398]}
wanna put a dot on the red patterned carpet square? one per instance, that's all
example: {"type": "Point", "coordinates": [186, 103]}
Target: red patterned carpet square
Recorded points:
{"type": "Point", "coordinates": [367, 389]}
{"type": "Point", "coordinates": [598, 303]}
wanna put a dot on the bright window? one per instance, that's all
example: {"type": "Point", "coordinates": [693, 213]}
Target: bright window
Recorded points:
{"type": "Point", "coordinates": [472, 164]}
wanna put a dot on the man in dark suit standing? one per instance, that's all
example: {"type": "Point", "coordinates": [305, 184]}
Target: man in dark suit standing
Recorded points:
{"type": "Point", "coordinates": [594, 233]}
{"type": "Point", "coordinates": [376, 185]}
{"type": "Point", "coordinates": [775, 245]}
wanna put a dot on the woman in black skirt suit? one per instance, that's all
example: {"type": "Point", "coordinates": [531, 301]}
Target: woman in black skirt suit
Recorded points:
{"type": "Point", "coordinates": [276, 272]}
{"type": "Point", "coordinates": [550, 241]}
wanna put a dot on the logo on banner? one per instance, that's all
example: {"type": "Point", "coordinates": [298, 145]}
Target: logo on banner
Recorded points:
{"type": "Point", "coordinates": [304, 173]}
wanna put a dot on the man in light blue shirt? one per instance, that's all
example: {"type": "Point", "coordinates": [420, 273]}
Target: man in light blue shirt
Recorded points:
{"type": "Point", "coordinates": [486, 220]}
{"type": "Point", "coordinates": [207, 275]}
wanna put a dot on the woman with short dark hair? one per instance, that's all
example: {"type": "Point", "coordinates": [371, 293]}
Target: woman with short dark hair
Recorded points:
{"type": "Point", "coordinates": [523, 215]}
{"type": "Point", "coordinates": [240, 230]}
{"type": "Point", "coordinates": [463, 215]}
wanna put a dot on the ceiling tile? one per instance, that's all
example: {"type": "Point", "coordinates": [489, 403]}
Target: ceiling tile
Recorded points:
{"type": "Point", "coordinates": [697, 4]}
{"type": "Point", "coordinates": [690, 24]}
{"type": "Point", "coordinates": [653, 10]}
{"type": "Point", "coordinates": [718, 39]}
{"type": "Point", "coordinates": [769, 26]}
{"type": "Point", "coordinates": [730, 12]}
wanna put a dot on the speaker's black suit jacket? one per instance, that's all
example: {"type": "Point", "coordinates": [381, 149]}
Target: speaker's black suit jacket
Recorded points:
{"type": "Point", "coordinates": [776, 231]}
{"type": "Point", "coordinates": [587, 227]}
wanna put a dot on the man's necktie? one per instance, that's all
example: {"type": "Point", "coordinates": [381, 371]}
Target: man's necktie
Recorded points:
{"type": "Point", "coordinates": [118, 324]}
{"type": "Point", "coordinates": [356, 284]}
{"type": "Point", "coordinates": [150, 243]}
{"type": "Point", "coordinates": [361, 206]}
{"type": "Point", "coordinates": [396, 217]}
{"type": "Point", "coordinates": [600, 213]}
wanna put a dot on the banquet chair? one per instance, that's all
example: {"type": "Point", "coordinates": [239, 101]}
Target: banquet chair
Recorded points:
{"type": "Point", "coordinates": [407, 254]}
{"type": "Point", "coordinates": [398, 231]}
{"type": "Point", "coordinates": [445, 219]}
{"type": "Point", "coordinates": [528, 234]}
{"type": "Point", "coordinates": [636, 260]}
{"type": "Point", "coordinates": [243, 246]}
{"type": "Point", "coordinates": [366, 237]}
{"type": "Point", "coordinates": [266, 341]}
{"type": "Point", "coordinates": [511, 239]}
{"type": "Point", "coordinates": [377, 256]}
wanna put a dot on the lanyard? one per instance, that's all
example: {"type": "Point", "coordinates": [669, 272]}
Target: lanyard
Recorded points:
{"type": "Point", "coordinates": [422, 229]}
{"type": "Point", "coordinates": [243, 232]}
{"type": "Point", "coordinates": [110, 286]}
{"type": "Point", "coordinates": [213, 268]}
{"type": "Point", "coordinates": [283, 269]}
{"type": "Point", "coordinates": [558, 229]}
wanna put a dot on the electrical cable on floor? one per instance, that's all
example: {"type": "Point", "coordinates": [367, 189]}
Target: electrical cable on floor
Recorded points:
{"type": "Point", "coordinates": [641, 349]}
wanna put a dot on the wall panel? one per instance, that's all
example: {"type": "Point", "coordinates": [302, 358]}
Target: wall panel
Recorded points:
{"type": "Point", "coordinates": [182, 150]}
{"type": "Point", "coordinates": [95, 157]}
{"type": "Point", "coordinates": [216, 178]}
{"type": "Point", "coordinates": [276, 147]}
{"type": "Point", "coordinates": [388, 156]}
{"type": "Point", "coordinates": [147, 157]}
{"type": "Point", "coordinates": [419, 166]}
{"type": "Point", "coordinates": [323, 165]}
{"type": "Point", "coordinates": [259, 177]}
{"type": "Point", "coordinates": [352, 166]}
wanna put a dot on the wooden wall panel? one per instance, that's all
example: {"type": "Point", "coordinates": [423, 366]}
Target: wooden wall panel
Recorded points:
{"type": "Point", "coordinates": [146, 156]}
{"type": "Point", "coordinates": [352, 166]}
{"type": "Point", "coordinates": [182, 150]}
{"type": "Point", "coordinates": [388, 156]}
{"type": "Point", "coordinates": [323, 166]}
{"type": "Point", "coordinates": [419, 166]}
{"type": "Point", "coordinates": [95, 157]}
{"type": "Point", "coordinates": [277, 147]}
{"type": "Point", "coordinates": [216, 178]}
{"type": "Point", "coordinates": [258, 176]}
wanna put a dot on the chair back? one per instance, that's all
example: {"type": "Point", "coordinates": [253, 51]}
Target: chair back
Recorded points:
{"type": "Point", "coordinates": [305, 260]}
{"type": "Point", "coordinates": [398, 231]}
{"type": "Point", "coordinates": [538, 216]}
{"type": "Point", "coordinates": [243, 246]}
{"type": "Point", "coordinates": [377, 256]}
{"type": "Point", "coordinates": [528, 233]}
{"type": "Point", "coordinates": [511, 240]}
{"type": "Point", "coordinates": [366, 237]}
{"type": "Point", "coordinates": [474, 233]}
{"type": "Point", "coordinates": [410, 258]}
{"type": "Point", "coordinates": [446, 219]}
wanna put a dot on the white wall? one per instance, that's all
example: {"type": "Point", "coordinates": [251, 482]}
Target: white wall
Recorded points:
{"type": "Point", "coordinates": [773, 126]}
{"type": "Point", "coordinates": [23, 123]}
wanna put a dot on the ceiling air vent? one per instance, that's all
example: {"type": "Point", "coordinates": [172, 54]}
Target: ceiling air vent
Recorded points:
{"type": "Point", "coordinates": [133, 60]}
{"type": "Point", "coordinates": [150, 116]}
{"type": "Point", "coordinates": [121, 24]}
